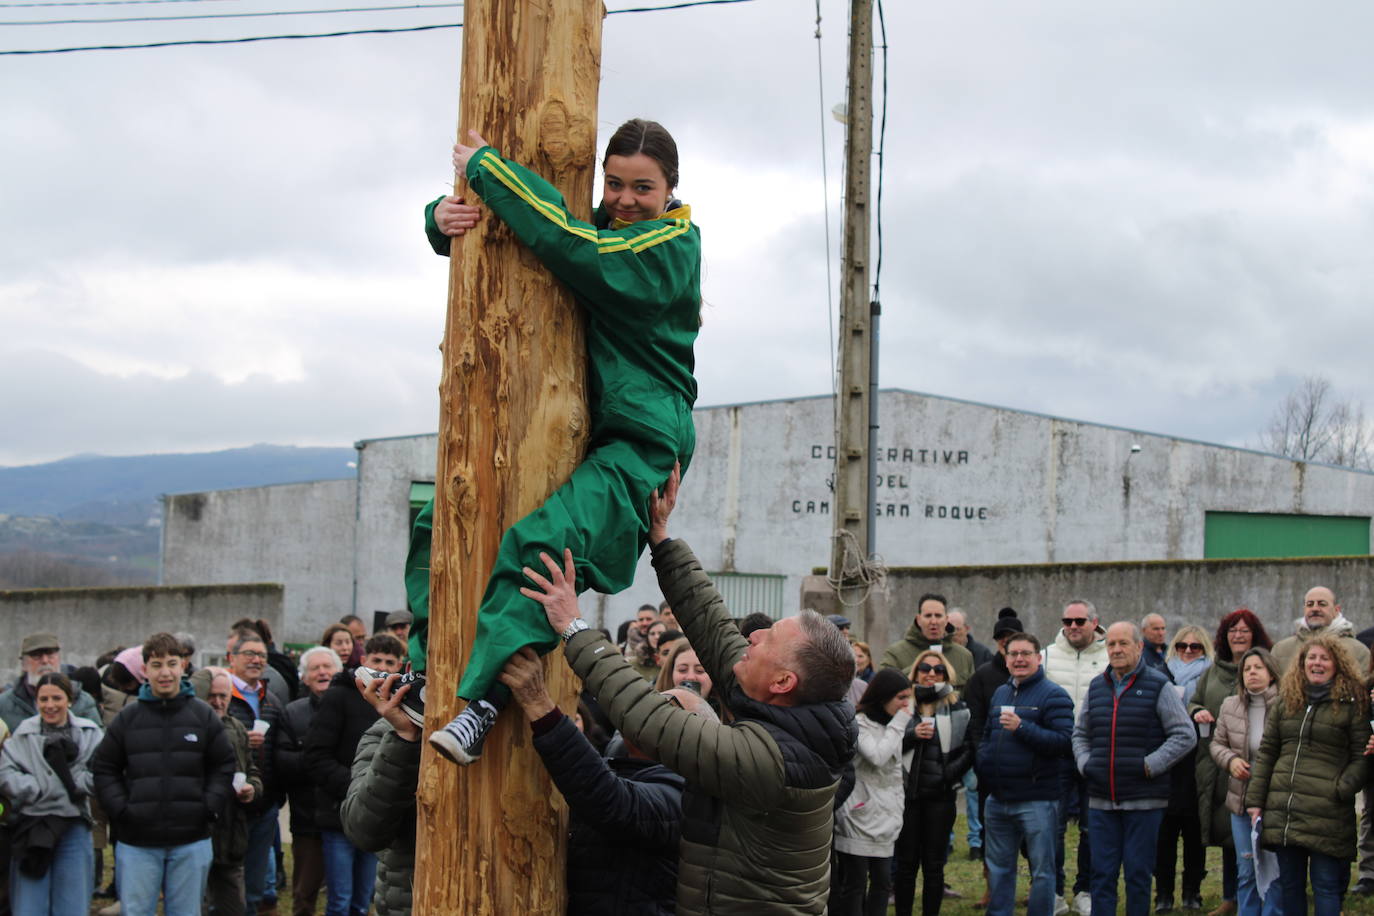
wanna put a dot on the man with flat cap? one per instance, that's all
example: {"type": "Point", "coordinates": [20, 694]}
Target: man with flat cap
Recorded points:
{"type": "Point", "coordinates": [40, 654]}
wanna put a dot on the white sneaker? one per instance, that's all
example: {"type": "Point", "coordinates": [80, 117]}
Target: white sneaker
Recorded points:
{"type": "Point", "coordinates": [1061, 906]}
{"type": "Point", "coordinates": [1083, 904]}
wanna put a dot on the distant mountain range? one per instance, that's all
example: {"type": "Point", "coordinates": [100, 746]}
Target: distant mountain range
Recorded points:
{"type": "Point", "coordinates": [98, 508]}
{"type": "Point", "coordinates": [125, 490]}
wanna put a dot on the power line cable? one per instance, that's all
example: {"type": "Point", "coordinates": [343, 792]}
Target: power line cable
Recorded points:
{"type": "Point", "coordinates": [352, 9]}
{"type": "Point", "coordinates": [825, 203]}
{"type": "Point", "coordinates": [97, 3]}
{"type": "Point", "coordinates": [882, 141]}
{"type": "Point", "coordinates": [380, 31]}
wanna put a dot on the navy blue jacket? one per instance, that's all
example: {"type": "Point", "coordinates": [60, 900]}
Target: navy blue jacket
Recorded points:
{"type": "Point", "coordinates": [625, 818]}
{"type": "Point", "coordinates": [1122, 731]}
{"type": "Point", "coordinates": [1024, 765]}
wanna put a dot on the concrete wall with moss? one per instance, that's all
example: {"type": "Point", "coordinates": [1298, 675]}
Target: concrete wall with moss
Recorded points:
{"type": "Point", "coordinates": [91, 621]}
{"type": "Point", "coordinates": [1185, 591]}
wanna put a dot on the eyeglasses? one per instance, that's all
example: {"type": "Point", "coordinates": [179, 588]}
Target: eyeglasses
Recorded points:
{"type": "Point", "coordinates": [927, 667]}
{"type": "Point", "coordinates": [1188, 647]}
{"type": "Point", "coordinates": [252, 653]}
{"type": "Point", "coordinates": [1074, 621]}
{"type": "Point", "coordinates": [1022, 654]}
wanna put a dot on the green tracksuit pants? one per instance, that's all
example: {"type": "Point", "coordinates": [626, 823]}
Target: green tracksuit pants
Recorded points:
{"type": "Point", "coordinates": [601, 513]}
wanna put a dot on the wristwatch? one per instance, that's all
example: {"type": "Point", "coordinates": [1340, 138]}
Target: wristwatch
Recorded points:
{"type": "Point", "coordinates": [577, 626]}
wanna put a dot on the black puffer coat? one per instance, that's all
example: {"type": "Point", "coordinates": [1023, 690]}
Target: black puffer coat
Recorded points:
{"type": "Point", "coordinates": [379, 813]}
{"type": "Point", "coordinates": [931, 771]}
{"type": "Point", "coordinates": [288, 757]}
{"type": "Point", "coordinates": [625, 819]}
{"type": "Point", "coordinates": [330, 743]}
{"type": "Point", "coordinates": [164, 770]}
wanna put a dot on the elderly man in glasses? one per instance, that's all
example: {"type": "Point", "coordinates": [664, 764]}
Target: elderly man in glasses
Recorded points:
{"type": "Point", "coordinates": [1077, 654]}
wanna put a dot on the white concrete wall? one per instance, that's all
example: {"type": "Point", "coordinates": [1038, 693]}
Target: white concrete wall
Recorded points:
{"type": "Point", "coordinates": [299, 535]}
{"type": "Point", "coordinates": [386, 469]}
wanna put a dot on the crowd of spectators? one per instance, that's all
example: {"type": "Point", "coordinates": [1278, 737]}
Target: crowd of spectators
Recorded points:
{"type": "Point", "coordinates": [730, 756]}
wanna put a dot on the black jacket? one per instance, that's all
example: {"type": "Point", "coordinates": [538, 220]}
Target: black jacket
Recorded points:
{"type": "Point", "coordinates": [288, 757]}
{"type": "Point", "coordinates": [978, 692]}
{"type": "Point", "coordinates": [981, 653]}
{"type": "Point", "coordinates": [933, 773]}
{"type": "Point", "coordinates": [625, 819]}
{"type": "Point", "coordinates": [330, 743]}
{"type": "Point", "coordinates": [164, 770]}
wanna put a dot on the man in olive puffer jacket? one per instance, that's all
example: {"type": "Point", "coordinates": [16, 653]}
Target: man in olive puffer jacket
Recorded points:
{"type": "Point", "coordinates": [757, 810]}
{"type": "Point", "coordinates": [378, 814]}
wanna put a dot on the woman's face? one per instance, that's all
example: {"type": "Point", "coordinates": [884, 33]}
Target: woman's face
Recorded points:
{"type": "Point", "coordinates": [52, 704]}
{"type": "Point", "coordinates": [1255, 675]}
{"type": "Point", "coordinates": [931, 671]}
{"type": "Point", "coordinates": [1240, 638]}
{"type": "Point", "coordinates": [898, 701]}
{"type": "Point", "coordinates": [687, 667]}
{"type": "Point", "coordinates": [663, 653]}
{"type": "Point", "coordinates": [342, 644]}
{"type": "Point", "coordinates": [655, 631]}
{"type": "Point", "coordinates": [634, 188]}
{"type": "Point", "coordinates": [1188, 646]}
{"type": "Point", "coordinates": [861, 659]}
{"type": "Point", "coordinates": [1319, 667]}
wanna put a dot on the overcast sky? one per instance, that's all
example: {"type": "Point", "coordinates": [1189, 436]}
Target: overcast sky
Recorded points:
{"type": "Point", "coordinates": [1153, 215]}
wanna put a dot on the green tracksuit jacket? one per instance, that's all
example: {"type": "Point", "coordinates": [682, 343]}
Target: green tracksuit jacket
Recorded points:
{"type": "Point", "coordinates": [639, 285]}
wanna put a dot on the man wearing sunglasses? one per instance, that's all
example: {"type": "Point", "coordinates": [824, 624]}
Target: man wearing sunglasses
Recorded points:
{"type": "Point", "coordinates": [1076, 656]}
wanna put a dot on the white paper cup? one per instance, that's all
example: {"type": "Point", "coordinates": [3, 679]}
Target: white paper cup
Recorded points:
{"type": "Point", "coordinates": [260, 726]}
{"type": "Point", "coordinates": [1204, 729]}
{"type": "Point", "coordinates": [937, 648]}
{"type": "Point", "coordinates": [1008, 709]}
{"type": "Point", "coordinates": [240, 780]}
{"type": "Point", "coordinates": [927, 720]}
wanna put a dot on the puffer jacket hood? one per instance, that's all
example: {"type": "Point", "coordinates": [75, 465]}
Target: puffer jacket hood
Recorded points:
{"type": "Point", "coordinates": [828, 729]}
{"type": "Point", "coordinates": [146, 695]}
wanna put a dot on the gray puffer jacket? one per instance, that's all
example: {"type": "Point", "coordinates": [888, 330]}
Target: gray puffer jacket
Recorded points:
{"type": "Point", "coordinates": [29, 782]}
{"type": "Point", "coordinates": [378, 814]}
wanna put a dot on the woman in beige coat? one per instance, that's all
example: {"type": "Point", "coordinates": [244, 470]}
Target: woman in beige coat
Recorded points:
{"type": "Point", "coordinates": [1240, 726]}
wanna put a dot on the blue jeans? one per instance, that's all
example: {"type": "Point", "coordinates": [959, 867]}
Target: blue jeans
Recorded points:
{"type": "Point", "coordinates": [179, 872]}
{"type": "Point", "coordinates": [1004, 825]}
{"type": "Point", "coordinates": [975, 825]}
{"type": "Point", "coordinates": [349, 875]}
{"type": "Point", "coordinates": [1123, 838]}
{"type": "Point", "coordinates": [259, 868]}
{"type": "Point", "coordinates": [66, 888]}
{"type": "Point", "coordinates": [1248, 899]}
{"type": "Point", "coordinates": [1329, 878]}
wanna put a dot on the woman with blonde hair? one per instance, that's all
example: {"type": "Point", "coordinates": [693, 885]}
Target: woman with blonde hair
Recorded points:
{"type": "Point", "coordinates": [1240, 727]}
{"type": "Point", "coordinates": [1189, 658]}
{"type": "Point", "coordinates": [937, 750]}
{"type": "Point", "coordinates": [1309, 768]}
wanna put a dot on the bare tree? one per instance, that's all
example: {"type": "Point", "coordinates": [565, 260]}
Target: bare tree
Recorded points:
{"type": "Point", "coordinates": [1313, 424]}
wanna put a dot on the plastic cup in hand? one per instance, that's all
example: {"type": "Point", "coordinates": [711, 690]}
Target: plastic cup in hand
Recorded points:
{"type": "Point", "coordinates": [240, 780]}
{"type": "Point", "coordinates": [1204, 729]}
{"type": "Point", "coordinates": [1008, 709]}
{"type": "Point", "coordinates": [260, 726]}
{"type": "Point", "coordinates": [928, 720]}
{"type": "Point", "coordinates": [937, 649]}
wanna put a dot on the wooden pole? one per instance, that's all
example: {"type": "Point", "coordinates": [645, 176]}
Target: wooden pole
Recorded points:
{"type": "Point", "coordinates": [854, 495]}
{"type": "Point", "coordinates": [512, 426]}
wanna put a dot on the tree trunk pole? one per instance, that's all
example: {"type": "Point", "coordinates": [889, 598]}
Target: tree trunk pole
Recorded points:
{"type": "Point", "coordinates": [512, 426]}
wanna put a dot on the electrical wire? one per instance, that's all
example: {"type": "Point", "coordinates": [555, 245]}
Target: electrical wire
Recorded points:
{"type": "Point", "coordinates": [188, 16]}
{"type": "Point", "coordinates": [96, 3]}
{"type": "Point", "coordinates": [882, 140]}
{"type": "Point", "coordinates": [825, 203]}
{"type": "Point", "coordinates": [380, 31]}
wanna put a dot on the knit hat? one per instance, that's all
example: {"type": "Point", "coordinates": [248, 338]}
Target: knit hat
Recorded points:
{"type": "Point", "coordinates": [1007, 623]}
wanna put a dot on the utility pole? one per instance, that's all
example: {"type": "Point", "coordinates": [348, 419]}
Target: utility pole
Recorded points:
{"type": "Point", "coordinates": [855, 411]}
{"type": "Point", "coordinates": [490, 838]}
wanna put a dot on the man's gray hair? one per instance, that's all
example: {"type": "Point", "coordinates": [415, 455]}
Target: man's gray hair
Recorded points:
{"type": "Point", "coordinates": [309, 653]}
{"type": "Point", "coordinates": [242, 637]}
{"type": "Point", "coordinates": [1136, 635]}
{"type": "Point", "coordinates": [824, 660]}
{"type": "Point", "coordinates": [1092, 608]}
{"type": "Point", "coordinates": [1145, 621]}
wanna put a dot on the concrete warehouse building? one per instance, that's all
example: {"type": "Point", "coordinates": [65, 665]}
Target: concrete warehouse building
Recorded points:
{"type": "Point", "coordinates": [960, 484]}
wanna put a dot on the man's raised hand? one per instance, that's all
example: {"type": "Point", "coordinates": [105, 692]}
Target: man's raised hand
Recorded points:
{"type": "Point", "coordinates": [661, 506]}
{"type": "Point", "coordinates": [386, 699]}
{"type": "Point", "coordinates": [558, 593]}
